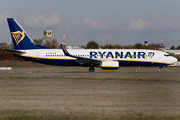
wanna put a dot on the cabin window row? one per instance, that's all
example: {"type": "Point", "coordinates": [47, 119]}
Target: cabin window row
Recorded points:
{"type": "Point", "coordinates": [54, 55]}
{"type": "Point", "coordinates": [96, 55]}
{"type": "Point", "coordinates": [65, 55]}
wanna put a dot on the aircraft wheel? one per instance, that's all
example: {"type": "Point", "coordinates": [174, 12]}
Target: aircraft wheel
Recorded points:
{"type": "Point", "coordinates": [91, 69]}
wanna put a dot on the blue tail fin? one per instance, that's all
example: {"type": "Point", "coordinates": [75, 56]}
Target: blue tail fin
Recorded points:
{"type": "Point", "coordinates": [20, 38]}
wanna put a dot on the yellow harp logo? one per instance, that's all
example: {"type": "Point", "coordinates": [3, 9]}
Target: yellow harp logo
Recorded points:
{"type": "Point", "coordinates": [18, 36]}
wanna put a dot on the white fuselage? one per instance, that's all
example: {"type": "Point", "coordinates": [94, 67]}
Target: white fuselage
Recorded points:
{"type": "Point", "coordinates": [125, 57]}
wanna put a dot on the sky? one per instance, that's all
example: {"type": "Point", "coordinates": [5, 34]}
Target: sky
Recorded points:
{"type": "Point", "coordinates": [124, 22]}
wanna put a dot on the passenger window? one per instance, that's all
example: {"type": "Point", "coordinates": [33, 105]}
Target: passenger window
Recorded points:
{"type": "Point", "coordinates": [166, 55]}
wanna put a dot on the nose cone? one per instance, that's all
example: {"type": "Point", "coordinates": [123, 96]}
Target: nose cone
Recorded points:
{"type": "Point", "coordinates": [173, 60]}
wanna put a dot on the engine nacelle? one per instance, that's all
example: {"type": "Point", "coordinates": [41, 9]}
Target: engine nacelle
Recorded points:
{"type": "Point", "coordinates": [110, 65]}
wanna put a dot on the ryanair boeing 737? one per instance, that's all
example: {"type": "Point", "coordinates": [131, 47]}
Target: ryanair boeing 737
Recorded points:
{"type": "Point", "coordinates": [105, 58]}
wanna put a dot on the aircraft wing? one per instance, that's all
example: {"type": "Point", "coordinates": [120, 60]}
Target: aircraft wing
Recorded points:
{"type": "Point", "coordinates": [85, 60]}
{"type": "Point", "coordinates": [15, 51]}
{"type": "Point", "coordinates": [82, 60]}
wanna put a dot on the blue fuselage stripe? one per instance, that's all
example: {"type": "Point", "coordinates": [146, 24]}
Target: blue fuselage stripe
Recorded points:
{"type": "Point", "coordinates": [73, 62]}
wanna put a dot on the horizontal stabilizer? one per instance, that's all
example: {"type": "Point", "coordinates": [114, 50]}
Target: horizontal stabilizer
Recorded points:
{"type": "Point", "coordinates": [15, 51]}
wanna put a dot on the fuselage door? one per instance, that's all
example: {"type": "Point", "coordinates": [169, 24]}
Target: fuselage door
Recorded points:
{"type": "Point", "coordinates": [37, 56]}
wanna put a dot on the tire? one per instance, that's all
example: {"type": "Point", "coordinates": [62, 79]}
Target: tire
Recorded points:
{"type": "Point", "coordinates": [91, 69]}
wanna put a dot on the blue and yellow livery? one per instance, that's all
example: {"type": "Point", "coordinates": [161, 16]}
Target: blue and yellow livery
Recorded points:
{"type": "Point", "coordinates": [104, 58]}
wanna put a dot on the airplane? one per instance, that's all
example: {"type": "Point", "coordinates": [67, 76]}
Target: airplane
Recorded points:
{"type": "Point", "coordinates": [107, 59]}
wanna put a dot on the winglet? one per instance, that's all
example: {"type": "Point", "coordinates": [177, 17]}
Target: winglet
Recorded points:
{"type": "Point", "coordinates": [65, 51]}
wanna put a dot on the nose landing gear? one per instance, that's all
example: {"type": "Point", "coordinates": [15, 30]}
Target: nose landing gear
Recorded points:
{"type": "Point", "coordinates": [91, 69]}
{"type": "Point", "coordinates": [160, 67]}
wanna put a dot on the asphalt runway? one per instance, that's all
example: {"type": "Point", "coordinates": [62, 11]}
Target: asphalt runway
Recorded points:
{"type": "Point", "coordinates": [89, 72]}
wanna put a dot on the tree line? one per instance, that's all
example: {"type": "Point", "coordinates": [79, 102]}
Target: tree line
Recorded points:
{"type": "Point", "coordinates": [175, 48]}
{"type": "Point", "coordinates": [50, 43]}
{"type": "Point", "coordinates": [95, 45]}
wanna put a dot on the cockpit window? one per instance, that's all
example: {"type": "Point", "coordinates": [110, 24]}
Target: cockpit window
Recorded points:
{"type": "Point", "coordinates": [167, 55]}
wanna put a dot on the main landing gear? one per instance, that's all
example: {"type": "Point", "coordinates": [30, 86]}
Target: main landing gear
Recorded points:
{"type": "Point", "coordinates": [91, 69]}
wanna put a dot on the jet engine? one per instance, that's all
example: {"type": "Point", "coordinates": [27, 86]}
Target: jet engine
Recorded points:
{"type": "Point", "coordinates": [109, 65]}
